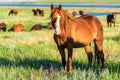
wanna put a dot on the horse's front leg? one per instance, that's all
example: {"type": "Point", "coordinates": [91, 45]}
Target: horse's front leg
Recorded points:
{"type": "Point", "coordinates": [70, 51]}
{"type": "Point", "coordinates": [63, 57]}
{"type": "Point", "coordinates": [110, 24]}
{"type": "Point", "coordinates": [89, 54]}
{"type": "Point", "coordinates": [114, 24]}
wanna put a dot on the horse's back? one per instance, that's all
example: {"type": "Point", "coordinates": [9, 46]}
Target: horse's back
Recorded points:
{"type": "Point", "coordinates": [89, 26]}
{"type": "Point", "coordinates": [109, 18]}
{"type": "Point", "coordinates": [18, 27]}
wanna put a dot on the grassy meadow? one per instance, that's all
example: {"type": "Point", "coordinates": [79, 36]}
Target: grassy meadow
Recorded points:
{"type": "Point", "coordinates": [78, 1]}
{"type": "Point", "coordinates": [30, 55]}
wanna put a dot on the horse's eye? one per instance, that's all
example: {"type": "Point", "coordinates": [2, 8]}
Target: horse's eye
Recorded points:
{"type": "Point", "coordinates": [53, 24]}
{"type": "Point", "coordinates": [54, 20]}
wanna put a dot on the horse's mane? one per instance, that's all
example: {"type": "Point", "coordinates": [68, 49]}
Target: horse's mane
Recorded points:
{"type": "Point", "coordinates": [67, 14]}
{"type": "Point", "coordinates": [66, 17]}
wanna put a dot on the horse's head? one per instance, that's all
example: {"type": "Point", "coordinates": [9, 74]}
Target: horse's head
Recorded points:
{"type": "Point", "coordinates": [55, 17]}
{"type": "Point", "coordinates": [113, 15]}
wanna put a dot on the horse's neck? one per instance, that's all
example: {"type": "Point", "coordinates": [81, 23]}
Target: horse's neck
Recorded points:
{"type": "Point", "coordinates": [64, 29]}
{"type": "Point", "coordinates": [64, 24]}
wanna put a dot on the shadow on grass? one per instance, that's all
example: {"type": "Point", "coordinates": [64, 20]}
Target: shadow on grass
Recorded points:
{"type": "Point", "coordinates": [115, 38]}
{"type": "Point", "coordinates": [46, 64]}
{"type": "Point", "coordinates": [36, 64]}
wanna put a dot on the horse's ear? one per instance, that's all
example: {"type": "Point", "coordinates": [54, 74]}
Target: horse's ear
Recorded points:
{"type": "Point", "coordinates": [51, 6]}
{"type": "Point", "coordinates": [60, 6]}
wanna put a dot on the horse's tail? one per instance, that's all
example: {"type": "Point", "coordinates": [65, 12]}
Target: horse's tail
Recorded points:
{"type": "Point", "coordinates": [98, 42]}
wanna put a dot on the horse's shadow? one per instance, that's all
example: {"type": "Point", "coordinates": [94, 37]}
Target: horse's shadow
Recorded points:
{"type": "Point", "coordinates": [36, 64]}
{"type": "Point", "coordinates": [46, 64]}
{"type": "Point", "coordinates": [116, 38]}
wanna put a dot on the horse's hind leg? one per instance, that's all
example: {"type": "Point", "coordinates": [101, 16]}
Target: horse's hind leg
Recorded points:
{"type": "Point", "coordinates": [89, 54]}
{"type": "Point", "coordinates": [110, 24]}
{"type": "Point", "coordinates": [114, 24]}
{"type": "Point", "coordinates": [99, 51]}
{"type": "Point", "coordinates": [97, 56]}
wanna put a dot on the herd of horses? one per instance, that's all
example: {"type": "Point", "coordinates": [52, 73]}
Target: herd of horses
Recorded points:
{"type": "Point", "coordinates": [110, 18]}
{"type": "Point", "coordinates": [20, 27]}
{"type": "Point", "coordinates": [36, 12]}
{"type": "Point", "coordinates": [72, 32]}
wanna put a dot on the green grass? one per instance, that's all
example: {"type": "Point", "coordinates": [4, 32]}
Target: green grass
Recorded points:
{"type": "Point", "coordinates": [78, 1]}
{"type": "Point", "coordinates": [29, 55]}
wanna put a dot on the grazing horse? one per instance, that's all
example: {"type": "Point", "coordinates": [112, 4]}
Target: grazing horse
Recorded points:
{"type": "Point", "coordinates": [34, 12]}
{"type": "Point", "coordinates": [17, 28]}
{"type": "Point", "coordinates": [74, 13]}
{"type": "Point", "coordinates": [13, 12]}
{"type": "Point", "coordinates": [79, 32]}
{"type": "Point", "coordinates": [111, 18]}
{"type": "Point", "coordinates": [49, 26]}
{"type": "Point", "coordinates": [41, 12]}
{"type": "Point", "coordinates": [3, 26]}
{"type": "Point", "coordinates": [36, 27]}
{"type": "Point", "coordinates": [81, 13]}
{"type": "Point", "coordinates": [38, 12]}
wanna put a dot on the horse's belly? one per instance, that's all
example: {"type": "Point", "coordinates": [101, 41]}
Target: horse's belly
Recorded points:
{"type": "Point", "coordinates": [77, 45]}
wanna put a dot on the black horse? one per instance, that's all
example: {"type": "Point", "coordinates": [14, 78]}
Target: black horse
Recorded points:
{"type": "Point", "coordinates": [111, 18]}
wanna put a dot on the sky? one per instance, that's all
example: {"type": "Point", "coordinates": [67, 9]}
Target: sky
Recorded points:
{"type": "Point", "coordinates": [16, 0]}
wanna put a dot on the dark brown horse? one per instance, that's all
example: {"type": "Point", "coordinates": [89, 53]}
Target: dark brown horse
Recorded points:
{"type": "Point", "coordinates": [111, 18]}
{"type": "Point", "coordinates": [38, 12]}
{"type": "Point", "coordinates": [81, 13]}
{"type": "Point", "coordinates": [3, 26]}
{"type": "Point", "coordinates": [77, 32]}
{"type": "Point", "coordinates": [36, 27]}
{"type": "Point", "coordinates": [13, 12]}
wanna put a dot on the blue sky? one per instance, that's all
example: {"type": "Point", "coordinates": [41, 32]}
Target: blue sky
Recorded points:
{"type": "Point", "coordinates": [15, 0]}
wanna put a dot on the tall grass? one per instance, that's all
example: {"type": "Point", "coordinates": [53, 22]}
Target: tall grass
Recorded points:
{"type": "Point", "coordinates": [30, 55]}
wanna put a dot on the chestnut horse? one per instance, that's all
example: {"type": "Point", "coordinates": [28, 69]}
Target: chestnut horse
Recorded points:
{"type": "Point", "coordinates": [73, 32]}
{"type": "Point", "coordinates": [17, 28]}
{"type": "Point", "coordinates": [74, 13]}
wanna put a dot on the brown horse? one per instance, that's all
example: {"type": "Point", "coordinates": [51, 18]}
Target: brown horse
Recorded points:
{"type": "Point", "coordinates": [36, 27]}
{"type": "Point", "coordinates": [3, 26]}
{"type": "Point", "coordinates": [38, 12]}
{"type": "Point", "coordinates": [49, 26]}
{"type": "Point", "coordinates": [74, 13]}
{"type": "Point", "coordinates": [81, 12]}
{"type": "Point", "coordinates": [13, 12]}
{"type": "Point", "coordinates": [17, 28]}
{"type": "Point", "coordinates": [111, 18]}
{"type": "Point", "coordinates": [77, 32]}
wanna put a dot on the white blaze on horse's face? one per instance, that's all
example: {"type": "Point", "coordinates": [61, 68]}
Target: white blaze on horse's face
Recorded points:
{"type": "Point", "coordinates": [57, 29]}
